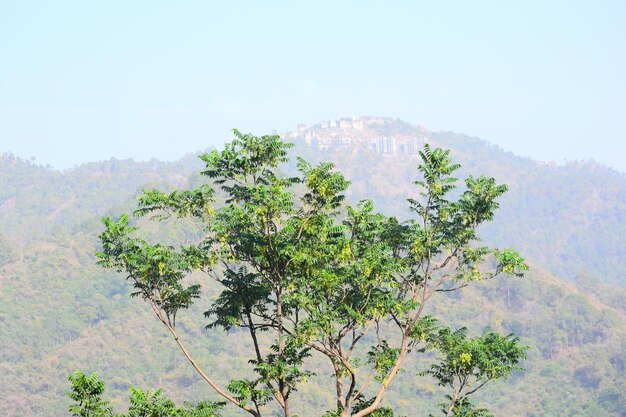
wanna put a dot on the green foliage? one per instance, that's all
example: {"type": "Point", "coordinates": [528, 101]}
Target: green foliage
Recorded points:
{"type": "Point", "coordinates": [157, 271]}
{"type": "Point", "coordinates": [150, 404]}
{"type": "Point", "coordinates": [463, 408]}
{"type": "Point", "coordinates": [87, 391]}
{"type": "Point", "coordinates": [154, 404]}
{"type": "Point", "coordinates": [468, 364]}
{"type": "Point", "coordinates": [304, 272]}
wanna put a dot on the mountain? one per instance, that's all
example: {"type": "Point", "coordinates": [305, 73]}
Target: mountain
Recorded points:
{"type": "Point", "coordinates": [59, 311]}
{"type": "Point", "coordinates": [568, 218]}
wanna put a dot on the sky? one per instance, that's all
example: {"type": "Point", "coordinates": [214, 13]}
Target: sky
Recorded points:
{"type": "Point", "coordinates": [89, 80]}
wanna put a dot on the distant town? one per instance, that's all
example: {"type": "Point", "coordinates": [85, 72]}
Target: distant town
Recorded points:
{"type": "Point", "coordinates": [369, 132]}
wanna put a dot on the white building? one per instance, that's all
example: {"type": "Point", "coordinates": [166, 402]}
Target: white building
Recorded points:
{"type": "Point", "coordinates": [357, 124]}
{"type": "Point", "coordinates": [385, 145]}
{"type": "Point", "coordinates": [414, 145]}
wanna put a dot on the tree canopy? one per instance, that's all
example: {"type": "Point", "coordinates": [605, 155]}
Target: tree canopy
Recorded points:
{"type": "Point", "coordinates": [312, 278]}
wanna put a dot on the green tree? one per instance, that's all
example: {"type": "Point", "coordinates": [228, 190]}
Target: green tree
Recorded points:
{"type": "Point", "coordinates": [154, 404]}
{"type": "Point", "coordinates": [467, 365]}
{"type": "Point", "coordinates": [305, 274]}
{"type": "Point", "coordinates": [87, 392]}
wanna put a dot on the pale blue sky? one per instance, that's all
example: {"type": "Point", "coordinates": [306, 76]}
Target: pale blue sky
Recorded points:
{"type": "Point", "coordinates": [87, 80]}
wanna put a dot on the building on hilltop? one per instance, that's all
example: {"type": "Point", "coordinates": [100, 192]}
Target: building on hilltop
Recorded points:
{"type": "Point", "coordinates": [413, 146]}
{"type": "Point", "coordinates": [385, 145]}
{"type": "Point", "coordinates": [345, 124]}
{"type": "Point", "coordinates": [377, 121]}
{"type": "Point", "coordinates": [357, 124]}
{"type": "Point", "coordinates": [341, 142]}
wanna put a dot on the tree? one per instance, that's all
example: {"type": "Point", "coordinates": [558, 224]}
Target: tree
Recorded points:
{"type": "Point", "coordinates": [87, 391]}
{"type": "Point", "coordinates": [304, 274]}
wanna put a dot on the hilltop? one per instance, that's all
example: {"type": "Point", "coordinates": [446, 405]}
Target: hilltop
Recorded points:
{"type": "Point", "coordinates": [569, 218]}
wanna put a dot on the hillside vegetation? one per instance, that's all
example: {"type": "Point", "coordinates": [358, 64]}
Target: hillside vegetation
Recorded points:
{"type": "Point", "coordinates": [569, 218]}
{"type": "Point", "coordinates": [59, 312]}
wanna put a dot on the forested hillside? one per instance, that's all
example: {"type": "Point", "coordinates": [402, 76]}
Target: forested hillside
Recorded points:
{"type": "Point", "coordinates": [34, 199]}
{"type": "Point", "coordinates": [59, 312]}
{"type": "Point", "coordinates": [569, 218]}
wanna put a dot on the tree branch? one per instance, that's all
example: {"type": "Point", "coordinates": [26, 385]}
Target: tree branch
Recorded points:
{"type": "Point", "coordinates": [199, 370]}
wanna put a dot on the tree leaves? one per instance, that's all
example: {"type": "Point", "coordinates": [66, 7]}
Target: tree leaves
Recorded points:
{"type": "Point", "coordinates": [87, 391]}
{"type": "Point", "coordinates": [466, 364]}
{"type": "Point", "coordinates": [314, 274]}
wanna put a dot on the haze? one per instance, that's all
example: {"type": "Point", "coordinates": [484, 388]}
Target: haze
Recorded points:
{"type": "Point", "coordinates": [85, 81]}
